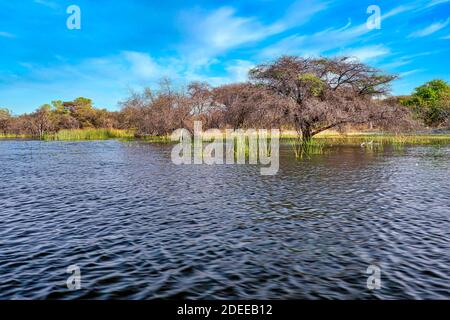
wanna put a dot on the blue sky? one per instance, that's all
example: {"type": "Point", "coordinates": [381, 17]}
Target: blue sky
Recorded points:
{"type": "Point", "coordinates": [125, 45]}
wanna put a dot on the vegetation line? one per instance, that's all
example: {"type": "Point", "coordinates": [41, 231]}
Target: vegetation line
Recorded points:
{"type": "Point", "coordinates": [309, 96]}
{"type": "Point", "coordinates": [88, 134]}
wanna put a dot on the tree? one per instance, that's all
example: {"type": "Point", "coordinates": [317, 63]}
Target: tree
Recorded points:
{"type": "Point", "coordinates": [236, 102]}
{"type": "Point", "coordinates": [247, 105]}
{"type": "Point", "coordinates": [320, 94]}
{"type": "Point", "coordinates": [158, 113]}
{"type": "Point", "coordinates": [60, 115]}
{"type": "Point", "coordinates": [40, 121]}
{"type": "Point", "coordinates": [5, 118]}
{"type": "Point", "coordinates": [82, 110]}
{"type": "Point", "coordinates": [63, 118]}
{"type": "Point", "coordinates": [431, 103]}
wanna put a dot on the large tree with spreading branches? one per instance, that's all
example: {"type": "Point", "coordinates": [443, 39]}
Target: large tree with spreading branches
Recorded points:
{"type": "Point", "coordinates": [324, 93]}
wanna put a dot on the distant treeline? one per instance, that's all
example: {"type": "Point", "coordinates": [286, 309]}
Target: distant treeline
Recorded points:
{"type": "Point", "coordinates": [303, 94]}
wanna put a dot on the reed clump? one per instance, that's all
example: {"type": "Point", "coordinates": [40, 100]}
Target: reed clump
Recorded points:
{"type": "Point", "coordinates": [156, 139]}
{"type": "Point", "coordinates": [305, 149]}
{"type": "Point", "coordinates": [386, 139]}
{"type": "Point", "coordinates": [14, 136]}
{"type": "Point", "coordinates": [88, 134]}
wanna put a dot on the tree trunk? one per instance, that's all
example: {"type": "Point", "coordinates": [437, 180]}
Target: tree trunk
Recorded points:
{"type": "Point", "coordinates": [307, 133]}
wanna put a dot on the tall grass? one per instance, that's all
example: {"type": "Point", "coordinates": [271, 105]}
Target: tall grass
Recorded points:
{"type": "Point", "coordinates": [320, 144]}
{"type": "Point", "coordinates": [14, 136]}
{"type": "Point", "coordinates": [88, 134]}
{"type": "Point", "coordinates": [385, 139]}
{"type": "Point", "coordinates": [157, 139]}
{"type": "Point", "coordinates": [305, 149]}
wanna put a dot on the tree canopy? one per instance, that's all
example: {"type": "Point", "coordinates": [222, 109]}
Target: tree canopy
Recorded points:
{"type": "Point", "coordinates": [431, 103]}
{"type": "Point", "coordinates": [321, 94]}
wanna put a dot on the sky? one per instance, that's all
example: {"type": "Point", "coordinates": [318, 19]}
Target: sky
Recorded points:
{"type": "Point", "coordinates": [126, 45]}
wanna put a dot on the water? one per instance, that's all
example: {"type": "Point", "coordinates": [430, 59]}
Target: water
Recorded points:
{"type": "Point", "coordinates": [140, 227]}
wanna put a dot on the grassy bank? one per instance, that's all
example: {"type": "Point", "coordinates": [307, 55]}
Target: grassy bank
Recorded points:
{"type": "Point", "coordinates": [323, 143]}
{"type": "Point", "coordinates": [88, 134]}
{"type": "Point", "coordinates": [14, 136]}
{"type": "Point", "coordinates": [320, 140]}
{"type": "Point", "coordinates": [384, 139]}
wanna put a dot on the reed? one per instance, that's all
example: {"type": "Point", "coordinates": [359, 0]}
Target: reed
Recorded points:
{"type": "Point", "coordinates": [316, 146]}
{"type": "Point", "coordinates": [370, 142]}
{"type": "Point", "coordinates": [88, 134]}
{"type": "Point", "coordinates": [156, 139]}
{"type": "Point", "coordinates": [305, 149]}
{"type": "Point", "coordinates": [14, 136]}
{"type": "Point", "coordinates": [386, 139]}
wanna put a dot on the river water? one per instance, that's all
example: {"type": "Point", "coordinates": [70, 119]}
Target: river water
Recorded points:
{"type": "Point", "coordinates": [139, 227]}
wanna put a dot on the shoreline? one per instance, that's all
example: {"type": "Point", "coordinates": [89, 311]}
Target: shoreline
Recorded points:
{"type": "Point", "coordinates": [327, 138]}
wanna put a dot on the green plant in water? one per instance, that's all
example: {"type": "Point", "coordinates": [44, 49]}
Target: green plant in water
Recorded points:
{"type": "Point", "coordinates": [304, 149]}
{"type": "Point", "coordinates": [88, 134]}
{"type": "Point", "coordinates": [13, 136]}
{"type": "Point", "coordinates": [385, 139]}
{"type": "Point", "coordinates": [157, 139]}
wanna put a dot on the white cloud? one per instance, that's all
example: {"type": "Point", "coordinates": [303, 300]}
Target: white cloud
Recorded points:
{"type": "Point", "coordinates": [399, 61]}
{"type": "Point", "coordinates": [436, 2]}
{"type": "Point", "coordinates": [332, 40]}
{"type": "Point", "coordinates": [395, 64]}
{"type": "Point", "coordinates": [223, 29]}
{"type": "Point", "coordinates": [435, 27]}
{"type": "Point", "coordinates": [408, 73]}
{"type": "Point", "coordinates": [108, 79]}
{"type": "Point", "coordinates": [5, 34]}
{"type": "Point", "coordinates": [367, 53]}
{"type": "Point", "coordinates": [395, 11]}
{"type": "Point", "coordinates": [47, 3]}
{"type": "Point", "coordinates": [317, 43]}
{"type": "Point", "coordinates": [142, 65]}
{"type": "Point", "coordinates": [215, 33]}
{"type": "Point", "coordinates": [238, 70]}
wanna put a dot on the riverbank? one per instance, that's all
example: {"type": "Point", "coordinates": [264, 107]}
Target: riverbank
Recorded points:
{"type": "Point", "coordinates": [328, 138]}
{"type": "Point", "coordinates": [383, 139]}
{"type": "Point", "coordinates": [89, 134]}
{"type": "Point", "coordinates": [77, 135]}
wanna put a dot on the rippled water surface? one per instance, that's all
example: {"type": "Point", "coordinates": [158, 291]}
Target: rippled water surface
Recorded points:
{"type": "Point", "coordinates": [140, 227]}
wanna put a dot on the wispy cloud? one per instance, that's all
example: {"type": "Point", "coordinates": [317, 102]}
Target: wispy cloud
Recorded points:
{"type": "Point", "coordinates": [436, 2]}
{"type": "Point", "coordinates": [224, 29]}
{"type": "Point", "coordinates": [397, 10]}
{"type": "Point", "coordinates": [319, 42]}
{"type": "Point", "coordinates": [410, 72]}
{"type": "Point", "coordinates": [399, 61]}
{"type": "Point", "coordinates": [238, 70]}
{"type": "Point", "coordinates": [47, 3]}
{"type": "Point", "coordinates": [218, 42]}
{"type": "Point", "coordinates": [5, 34]}
{"type": "Point", "coordinates": [367, 53]}
{"type": "Point", "coordinates": [143, 65]}
{"type": "Point", "coordinates": [107, 79]}
{"type": "Point", "coordinates": [111, 77]}
{"type": "Point", "coordinates": [429, 30]}
{"type": "Point", "coordinates": [396, 63]}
